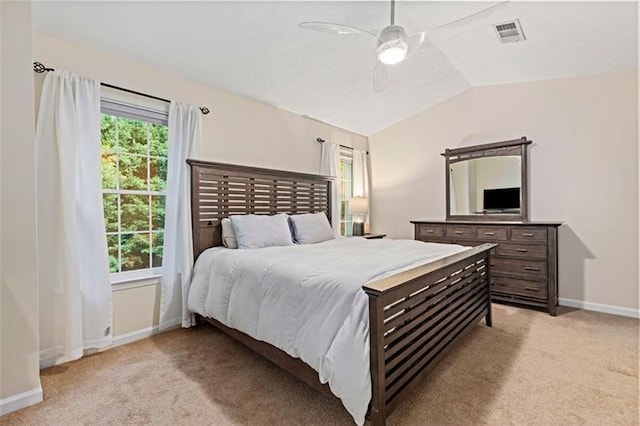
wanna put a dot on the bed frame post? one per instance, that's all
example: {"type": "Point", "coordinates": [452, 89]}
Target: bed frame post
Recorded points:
{"type": "Point", "coordinates": [488, 317]}
{"type": "Point", "coordinates": [376, 342]}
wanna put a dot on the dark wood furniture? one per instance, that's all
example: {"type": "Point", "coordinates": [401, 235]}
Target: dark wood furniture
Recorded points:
{"type": "Point", "coordinates": [511, 148]}
{"type": "Point", "coordinates": [415, 317]}
{"type": "Point", "coordinates": [374, 236]}
{"type": "Point", "coordinates": [524, 265]}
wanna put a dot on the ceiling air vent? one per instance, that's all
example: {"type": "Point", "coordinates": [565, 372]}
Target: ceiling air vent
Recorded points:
{"type": "Point", "coordinates": [510, 32]}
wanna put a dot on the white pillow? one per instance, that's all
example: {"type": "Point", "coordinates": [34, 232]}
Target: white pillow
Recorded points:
{"type": "Point", "coordinates": [311, 228]}
{"type": "Point", "coordinates": [256, 231]}
{"type": "Point", "coordinates": [228, 234]}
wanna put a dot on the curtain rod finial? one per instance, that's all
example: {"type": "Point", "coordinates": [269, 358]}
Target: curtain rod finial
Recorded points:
{"type": "Point", "coordinates": [205, 110]}
{"type": "Point", "coordinates": [320, 140]}
{"type": "Point", "coordinates": [40, 68]}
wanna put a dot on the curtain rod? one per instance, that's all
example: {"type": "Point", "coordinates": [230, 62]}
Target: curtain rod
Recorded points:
{"type": "Point", "coordinates": [350, 148]}
{"type": "Point", "coordinates": [40, 68]}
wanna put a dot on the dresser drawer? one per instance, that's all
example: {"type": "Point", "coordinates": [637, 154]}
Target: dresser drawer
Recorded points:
{"type": "Point", "coordinates": [460, 232]}
{"type": "Point", "coordinates": [523, 250]}
{"type": "Point", "coordinates": [491, 233]}
{"type": "Point", "coordinates": [423, 230]}
{"type": "Point", "coordinates": [530, 268]}
{"type": "Point", "coordinates": [535, 289]}
{"type": "Point", "coordinates": [528, 233]}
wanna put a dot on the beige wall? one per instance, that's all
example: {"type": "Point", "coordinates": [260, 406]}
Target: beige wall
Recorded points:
{"type": "Point", "coordinates": [19, 294]}
{"type": "Point", "coordinates": [583, 171]}
{"type": "Point", "coordinates": [135, 309]}
{"type": "Point", "coordinates": [238, 130]}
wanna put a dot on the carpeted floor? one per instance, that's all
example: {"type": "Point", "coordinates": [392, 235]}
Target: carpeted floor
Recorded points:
{"type": "Point", "coordinates": [530, 368]}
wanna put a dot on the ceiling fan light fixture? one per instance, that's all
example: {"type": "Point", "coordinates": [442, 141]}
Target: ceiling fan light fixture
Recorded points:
{"type": "Point", "coordinates": [392, 53]}
{"type": "Point", "coordinates": [392, 45]}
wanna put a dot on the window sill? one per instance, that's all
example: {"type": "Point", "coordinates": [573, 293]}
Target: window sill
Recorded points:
{"type": "Point", "coordinates": [125, 284]}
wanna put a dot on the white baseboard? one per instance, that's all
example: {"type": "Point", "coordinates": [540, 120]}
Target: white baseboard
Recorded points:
{"type": "Point", "coordinates": [119, 340]}
{"type": "Point", "coordinates": [598, 307]}
{"type": "Point", "coordinates": [21, 400]}
{"type": "Point", "coordinates": [123, 339]}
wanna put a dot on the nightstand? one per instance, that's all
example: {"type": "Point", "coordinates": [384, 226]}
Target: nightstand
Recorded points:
{"type": "Point", "coordinates": [374, 236]}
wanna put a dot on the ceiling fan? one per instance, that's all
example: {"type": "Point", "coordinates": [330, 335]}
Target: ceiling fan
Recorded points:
{"type": "Point", "coordinates": [393, 44]}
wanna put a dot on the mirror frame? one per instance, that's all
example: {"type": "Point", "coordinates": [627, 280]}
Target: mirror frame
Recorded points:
{"type": "Point", "coordinates": [515, 147]}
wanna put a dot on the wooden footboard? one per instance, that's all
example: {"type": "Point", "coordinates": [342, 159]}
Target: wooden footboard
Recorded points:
{"type": "Point", "coordinates": [417, 315]}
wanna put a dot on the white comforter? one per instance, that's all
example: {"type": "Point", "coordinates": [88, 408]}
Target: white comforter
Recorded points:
{"type": "Point", "coordinates": [308, 301]}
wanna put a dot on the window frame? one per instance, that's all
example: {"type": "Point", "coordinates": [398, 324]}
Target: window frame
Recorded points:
{"type": "Point", "coordinates": [346, 156]}
{"type": "Point", "coordinates": [120, 109]}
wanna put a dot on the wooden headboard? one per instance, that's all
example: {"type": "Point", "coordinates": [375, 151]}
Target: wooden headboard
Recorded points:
{"type": "Point", "coordinates": [221, 190]}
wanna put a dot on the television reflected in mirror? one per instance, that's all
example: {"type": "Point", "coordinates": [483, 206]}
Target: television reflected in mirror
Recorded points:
{"type": "Point", "coordinates": [501, 200]}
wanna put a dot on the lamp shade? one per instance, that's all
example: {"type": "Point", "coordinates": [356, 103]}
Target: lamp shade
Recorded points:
{"type": "Point", "coordinates": [358, 206]}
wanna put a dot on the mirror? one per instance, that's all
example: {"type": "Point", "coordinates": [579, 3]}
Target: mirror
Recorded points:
{"type": "Point", "coordinates": [488, 182]}
{"type": "Point", "coordinates": [486, 185]}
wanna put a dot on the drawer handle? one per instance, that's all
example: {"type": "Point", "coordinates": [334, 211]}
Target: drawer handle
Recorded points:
{"type": "Point", "coordinates": [527, 234]}
{"type": "Point", "coordinates": [521, 250]}
{"type": "Point", "coordinates": [531, 268]}
{"type": "Point", "coordinates": [459, 232]}
{"type": "Point", "coordinates": [489, 233]}
{"type": "Point", "coordinates": [531, 289]}
{"type": "Point", "coordinates": [429, 231]}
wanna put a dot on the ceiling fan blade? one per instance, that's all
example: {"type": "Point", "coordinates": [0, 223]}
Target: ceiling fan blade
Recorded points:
{"type": "Point", "coordinates": [496, 8]}
{"type": "Point", "coordinates": [417, 43]}
{"type": "Point", "coordinates": [380, 77]}
{"type": "Point", "coordinates": [420, 42]}
{"type": "Point", "coordinates": [332, 28]}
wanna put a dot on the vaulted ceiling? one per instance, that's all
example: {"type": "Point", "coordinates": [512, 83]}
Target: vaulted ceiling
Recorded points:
{"type": "Point", "coordinates": [257, 50]}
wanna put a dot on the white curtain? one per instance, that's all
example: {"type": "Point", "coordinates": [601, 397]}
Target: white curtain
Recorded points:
{"type": "Point", "coordinates": [361, 177]}
{"type": "Point", "coordinates": [73, 270]}
{"type": "Point", "coordinates": [330, 166]}
{"type": "Point", "coordinates": [177, 259]}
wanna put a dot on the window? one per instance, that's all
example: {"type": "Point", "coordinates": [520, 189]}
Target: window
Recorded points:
{"type": "Point", "coordinates": [134, 180]}
{"type": "Point", "coordinates": [346, 191]}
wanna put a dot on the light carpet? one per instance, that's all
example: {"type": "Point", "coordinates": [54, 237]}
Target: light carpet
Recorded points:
{"type": "Point", "coordinates": [529, 369]}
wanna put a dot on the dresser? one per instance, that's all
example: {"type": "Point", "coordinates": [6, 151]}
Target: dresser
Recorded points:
{"type": "Point", "coordinates": [524, 266]}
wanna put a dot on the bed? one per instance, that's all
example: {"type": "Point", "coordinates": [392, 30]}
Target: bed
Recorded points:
{"type": "Point", "coordinates": [386, 327]}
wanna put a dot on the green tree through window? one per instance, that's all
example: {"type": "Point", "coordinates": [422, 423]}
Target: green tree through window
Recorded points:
{"type": "Point", "coordinates": [134, 180]}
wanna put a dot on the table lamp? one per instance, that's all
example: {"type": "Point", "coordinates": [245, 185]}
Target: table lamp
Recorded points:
{"type": "Point", "coordinates": [358, 208]}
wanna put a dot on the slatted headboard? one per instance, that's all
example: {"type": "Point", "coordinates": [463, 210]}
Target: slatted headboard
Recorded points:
{"type": "Point", "coordinates": [221, 190]}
